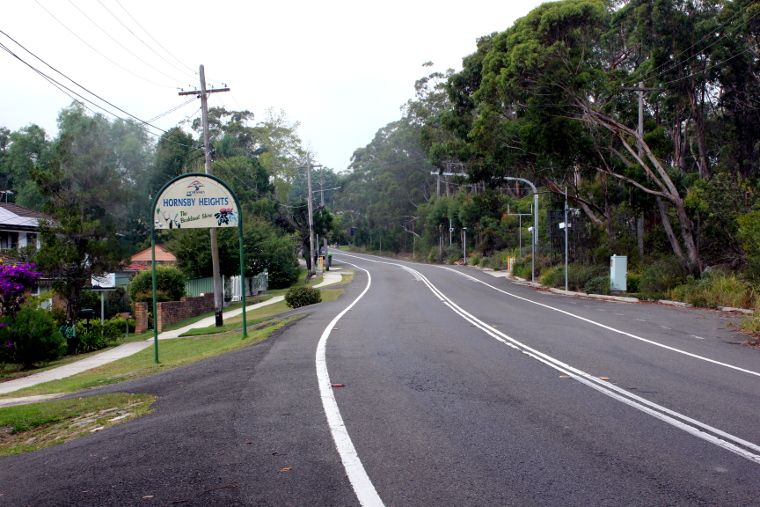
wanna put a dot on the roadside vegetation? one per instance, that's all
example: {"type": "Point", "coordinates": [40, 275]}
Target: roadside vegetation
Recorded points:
{"type": "Point", "coordinates": [26, 428]}
{"type": "Point", "coordinates": [555, 100]}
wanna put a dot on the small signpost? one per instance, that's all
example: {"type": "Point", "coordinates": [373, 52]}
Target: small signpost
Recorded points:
{"type": "Point", "coordinates": [195, 201]}
{"type": "Point", "coordinates": [102, 284]}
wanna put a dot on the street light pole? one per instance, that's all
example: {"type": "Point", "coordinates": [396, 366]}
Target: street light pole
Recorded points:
{"type": "Point", "coordinates": [567, 226]}
{"type": "Point", "coordinates": [464, 245]}
{"type": "Point", "coordinates": [535, 215]}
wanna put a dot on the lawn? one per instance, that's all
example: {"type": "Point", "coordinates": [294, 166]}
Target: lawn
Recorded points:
{"type": "Point", "coordinates": [26, 428]}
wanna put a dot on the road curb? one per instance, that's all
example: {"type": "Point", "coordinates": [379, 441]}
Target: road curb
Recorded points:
{"type": "Point", "coordinates": [128, 349]}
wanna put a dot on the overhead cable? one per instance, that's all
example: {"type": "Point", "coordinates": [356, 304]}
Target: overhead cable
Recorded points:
{"type": "Point", "coordinates": [98, 52]}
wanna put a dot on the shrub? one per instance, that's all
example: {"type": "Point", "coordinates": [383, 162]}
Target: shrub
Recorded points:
{"type": "Point", "coordinates": [15, 281]}
{"type": "Point", "coordinates": [633, 282]}
{"type": "Point", "coordinates": [474, 259]}
{"type": "Point", "coordinates": [578, 275]}
{"type": "Point", "coordinates": [302, 296]}
{"type": "Point", "coordinates": [522, 268]}
{"type": "Point", "coordinates": [91, 336]}
{"type": "Point", "coordinates": [660, 277]}
{"type": "Point", "coordinates": [712, 290]}
{"type": "Point", "coordinates": [552, 277]}
{"type": "Point", "coordinates": [30, 337]}
{"type": "Point", "coordinates": [170, 285]}
{"type": "Point", "coordinates": [598, 285]}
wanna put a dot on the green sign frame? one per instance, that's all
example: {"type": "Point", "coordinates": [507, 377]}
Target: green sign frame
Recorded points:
{"type": "Point", "coordinates": [185, 206]}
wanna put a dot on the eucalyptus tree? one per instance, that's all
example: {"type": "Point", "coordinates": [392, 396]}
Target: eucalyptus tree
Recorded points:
{"type": "Point", "coordinates": [20, 152]}
{"type": "Point", "coordinates": [551, 99]}
{"type": "Point", "coordinates": [83, 185]}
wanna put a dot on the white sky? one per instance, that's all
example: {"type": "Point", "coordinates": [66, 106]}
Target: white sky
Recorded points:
{"type": "Point", "coordinates": [340, 68]}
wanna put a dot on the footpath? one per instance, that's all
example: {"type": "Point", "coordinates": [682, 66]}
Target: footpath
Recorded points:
{"type": "Point", "coordinates": [126, 350]}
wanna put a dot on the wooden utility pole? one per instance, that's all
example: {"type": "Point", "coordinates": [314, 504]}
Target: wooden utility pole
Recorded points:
{"type": "Point", "coordinates": [203, 95]}
{"type": "Point", "coordinates": [312, 270]}
{"type": "Point", "coordinates": [640, 89]}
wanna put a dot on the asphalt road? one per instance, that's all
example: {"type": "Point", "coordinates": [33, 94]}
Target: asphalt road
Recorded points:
{"type": "Point", "coordinates": [458, 388]}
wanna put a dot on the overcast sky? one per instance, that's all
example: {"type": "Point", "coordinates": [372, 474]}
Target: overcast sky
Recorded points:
{"type": "Point", "coordinates": [342, 69]}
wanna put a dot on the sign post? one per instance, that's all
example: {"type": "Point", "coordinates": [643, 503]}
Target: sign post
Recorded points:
{"type": "Point", "coordinates": [195, 201]}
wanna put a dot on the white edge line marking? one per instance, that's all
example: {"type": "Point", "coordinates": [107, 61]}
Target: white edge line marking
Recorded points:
{"type": "Point", "coordinates": [363, 487]}
{"type": "Point", "coordinates": [618, 331]}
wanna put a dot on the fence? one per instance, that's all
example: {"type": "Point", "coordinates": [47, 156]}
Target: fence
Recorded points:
{"type": "Point", "coordinates": [254, 285]}
{"type": "Point", "coordinates": [198, 286]}
{"type": "Point", "coordinates": [230, 286]}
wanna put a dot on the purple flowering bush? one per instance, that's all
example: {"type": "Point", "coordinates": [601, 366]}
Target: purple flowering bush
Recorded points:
{"type": "Point", "coordinates": [28, 335]}
{"type": "Point", "coordinates": [15, 282]}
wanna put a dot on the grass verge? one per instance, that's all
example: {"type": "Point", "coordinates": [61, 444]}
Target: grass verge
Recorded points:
{"type": "Point", "coordinates": [26, 428]}
{"type": "Point", "coordinates": [172, 354]}
{"type": "Point", "coordinates": [257, 316]}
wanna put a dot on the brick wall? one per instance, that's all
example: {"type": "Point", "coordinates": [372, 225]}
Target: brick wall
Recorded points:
{"type": "Point", "coordinates": [141, 317]}
{"type": "Point", "coordinates": [173, 311]}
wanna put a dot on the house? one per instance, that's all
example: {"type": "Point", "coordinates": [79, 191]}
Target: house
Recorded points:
{"type": "Point", "coordinates": [163, 256]}
{"type": "Point", "coordinates": [19, 227]}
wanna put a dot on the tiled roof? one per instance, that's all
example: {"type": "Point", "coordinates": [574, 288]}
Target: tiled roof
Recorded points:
{"type": "Point", "coordinates": [12, 215]}
{"type": "Point", "coordinates": [21, 211]}
{"type": "Point", "coordinates": [162, 255]}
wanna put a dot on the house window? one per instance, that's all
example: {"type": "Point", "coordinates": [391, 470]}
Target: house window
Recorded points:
{"type": "Point", "coordinates": [8, 240]}
{"type": "Point", "coordinates": [31, 239]}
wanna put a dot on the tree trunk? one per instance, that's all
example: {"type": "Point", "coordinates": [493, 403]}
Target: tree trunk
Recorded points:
{"type": "Point", "coordinates": [674, 244]}
{"type": "Point", "coordinates": [687, 233]}
{"type": "Point", "coordinates": [699, 126]}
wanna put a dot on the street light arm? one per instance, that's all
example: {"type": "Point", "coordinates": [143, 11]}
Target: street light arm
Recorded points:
{"type": "Point", "coordinates": [535, 212]}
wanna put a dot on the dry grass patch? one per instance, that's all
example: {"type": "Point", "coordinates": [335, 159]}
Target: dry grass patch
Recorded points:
{"type": "Point", "coordinates": [27, 428]}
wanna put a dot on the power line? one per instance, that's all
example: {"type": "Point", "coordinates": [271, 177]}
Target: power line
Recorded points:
{"type": "Point", "coordinates": [252, 187]}
{"type": "Point", "coordinates": [194, 72]}
{"type": "Point", "coordinates": [119, 43]}
{"type": "Point", "coordinates": [77, 84]}
{"type": "Point", "coordinates": [138, 38]}
{"type": "Point", "coordinates": [661, 69]}
{"type": "Point", "coordinates": [68, 91]}
{"type": "Point", "coordinates": [175, 108]}
{"type": "Point", "coordinates": [98, 52]}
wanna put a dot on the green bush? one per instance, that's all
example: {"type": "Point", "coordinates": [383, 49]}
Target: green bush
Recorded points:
{"type": "Point", "coordinates": [633, 282]}
{"type": "Point", "coordinates": [712, 290]}
{"type": "Point", "coordinates": [474, 259]}
{"type": "Point", "coordinates": [552, 277]}
{"type": "Point", "coordinates": [522, 268]}
{"type": "Point", "coordinates": [302, 296]}
{"type": "Point", "coordinates": [598, 285]}
{"type": "Point", "coordinates": [170, 285]}
{"type": "Point", "coordinates": [91, 336]}
{"type": "Point", "coordinates": [661, 276]}
{"type": "Point", "coordinates": [578, 275]}
{"type": "Point", "coordinates": [30, 337]}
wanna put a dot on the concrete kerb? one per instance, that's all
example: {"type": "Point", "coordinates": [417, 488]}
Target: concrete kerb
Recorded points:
{"type": "Point", "coordinates": [622, 299]}
{"type": "Point", "coordinates": [128, 349]}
